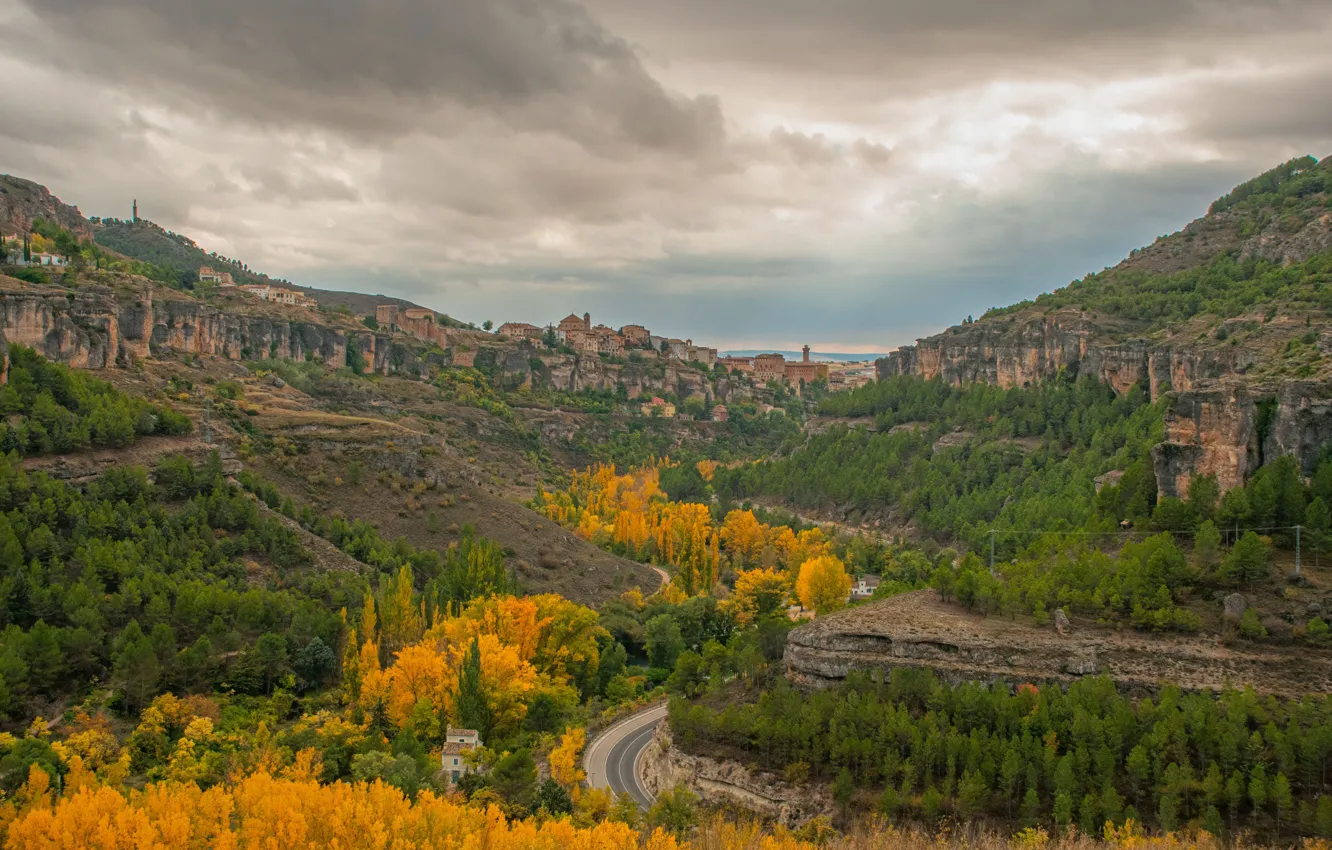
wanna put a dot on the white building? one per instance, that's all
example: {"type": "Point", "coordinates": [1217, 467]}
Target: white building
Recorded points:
{"type": "Point", "coordinates": [457, 743]}
{"type": "Point", "coordinates": [864, 587]}
{"type": "Point", "coordinates": [53, 260]}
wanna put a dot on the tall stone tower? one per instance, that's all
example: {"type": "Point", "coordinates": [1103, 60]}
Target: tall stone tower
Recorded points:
{"type": "Point", "coordinates": [805, 352]}
{"type": "Point", "coordinates": [135, 220]}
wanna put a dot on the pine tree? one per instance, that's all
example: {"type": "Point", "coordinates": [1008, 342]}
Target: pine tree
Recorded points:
{"type": "Point", "coordinates": [1318, 525]}
{"type": "Point", "coordinates": [473, 711]}
{"type": "Point", "coordinates": [1247, 561]}
{"type": "Point", "coordinates": [1282, 800]}
{"type": "Point", "coordinates": [1206, 547]}
{"type": "Point", "coordinates": [1323, 816]}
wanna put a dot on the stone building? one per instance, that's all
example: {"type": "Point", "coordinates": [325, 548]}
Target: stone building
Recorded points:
{"type": "Point", "coordinates": [457, 744]}
{"type": "Point", "coordinates": [770, 367]}
{"type": "Point", "coordinates": [806, 370]}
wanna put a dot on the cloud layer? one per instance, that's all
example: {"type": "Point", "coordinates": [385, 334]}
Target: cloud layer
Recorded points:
{"type": "Point", "coordinates": [852, 173]}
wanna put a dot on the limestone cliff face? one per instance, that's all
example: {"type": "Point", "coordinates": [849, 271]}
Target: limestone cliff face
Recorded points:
{"type": "Point", "coordinates": [918, 630]}
{"type": "Point", "coordinates": [574, 372]}
{"type": "Point", "coordinates": [1019, 350]}
{"type": "Point", "coordinates": [97, 327]}
{"type": "Point", "coordinates": [719, 782]}
{"type": "Point", "coordinates": [1212, 420]}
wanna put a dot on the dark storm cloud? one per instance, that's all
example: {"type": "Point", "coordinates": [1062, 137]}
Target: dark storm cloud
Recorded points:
{"type": "Point", "coordinates": [882, 167]}
{"type": "Point", "coordinates": [903, 38]}
{"type": "Point", "coordinates": [371, 67]}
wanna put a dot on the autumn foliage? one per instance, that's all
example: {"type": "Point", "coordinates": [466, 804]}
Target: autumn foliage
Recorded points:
{"type": "Point", "coordinates": [527, 645]}
{"type": "Point", "coordinates": [292, 814]}
{"type": "Point", "coordinates": [823, 584]}
{"type": "Point", "coordinates": [631, 514]}
{"type": "Point", "coordinates": [263, 812]}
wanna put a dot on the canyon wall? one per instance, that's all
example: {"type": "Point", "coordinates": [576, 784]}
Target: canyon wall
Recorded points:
{"type": "Point", "coordinates": [98, 327]}
{"type": "Point", "coordinates": [725, 782]}
{"type": "Point", "coordinates": [1216, 422]}
{"type": "Point", "coordinates": [918, 630]}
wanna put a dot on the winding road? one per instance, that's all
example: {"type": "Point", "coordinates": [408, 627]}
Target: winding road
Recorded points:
{"type": "Point", "coordinates": [611, 760]}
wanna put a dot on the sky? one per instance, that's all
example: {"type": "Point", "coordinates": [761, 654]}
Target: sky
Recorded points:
{"type": "Point", "coordinates": [851, 174]}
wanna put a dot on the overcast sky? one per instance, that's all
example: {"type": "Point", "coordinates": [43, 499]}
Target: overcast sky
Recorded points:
{"type": "Point", "coordinates": [749, 173]}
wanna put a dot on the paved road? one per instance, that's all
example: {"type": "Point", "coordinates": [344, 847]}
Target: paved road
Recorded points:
{"type": "Point", "coordinates": [611, 759]}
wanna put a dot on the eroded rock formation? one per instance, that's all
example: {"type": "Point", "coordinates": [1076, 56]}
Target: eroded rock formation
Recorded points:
{"type": "Point", "coordinates": [726, 782]}
{"type": "Point", "coordinates": [919, 630]}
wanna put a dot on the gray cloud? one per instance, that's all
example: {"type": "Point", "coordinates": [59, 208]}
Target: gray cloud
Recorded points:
{"type": "Point", "coordinates": [739, 171]}
{"type": "Point", "coordinates": [890, 38]}
{"type": "Point", "coordinates": [369, 67]}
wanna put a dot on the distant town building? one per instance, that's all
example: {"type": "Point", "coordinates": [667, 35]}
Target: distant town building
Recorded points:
{"type": "Point", "coordinates": [720, 413]}
{"type": "Point", "coordinates": [805, 370]}
{"type": "Point", "coordinates": [53, 260]}
{"type": "Point", "coordinates": [520, 330]}
{"type": "Point", "coordinates": [636, 336]}
{"type": "Point", "coordinates": [207, 274]}
{"type": "Point", "coordinates": [701, 354]}
{"type": "Point", "coordinates": [573, 323]}
{"type": "Point", "coordinates": [457, 744]}
{"type": "Point", "coordinates": [659, 407]}
{"type": "Point", "coordinates": [770, 367]}
{"type": "Point", "coordinates": [258, 290]}
{"type": "Point", "coordinates": [744, 365]}
{"type": "Point", "coordinates": [417, 321]}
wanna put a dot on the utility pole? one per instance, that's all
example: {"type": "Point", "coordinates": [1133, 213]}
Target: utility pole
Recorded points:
{"type": "Point", "coordinates": [992, 553]}
{"type": "Point", "coordinates": [1297, 551]}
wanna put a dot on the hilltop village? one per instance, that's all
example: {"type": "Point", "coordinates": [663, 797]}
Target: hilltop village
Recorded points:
{"type": "Point", "coordinates": [582, 336]}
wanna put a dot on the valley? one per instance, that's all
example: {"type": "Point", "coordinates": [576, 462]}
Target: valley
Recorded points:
{"type": "Point", "coordinates": [353, 552]}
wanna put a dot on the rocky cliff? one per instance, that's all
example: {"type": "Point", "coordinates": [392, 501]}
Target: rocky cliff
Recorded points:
{"type": "Point", "coordinates": [918, 630]}
{"type": "Point", "coordinates": [724, 782]}
{"type": "Point", "coordinates": [1236, 396]}
{"type": "Point", "coordinates": [645, 372]}
{"type": "Point", "coordinates": [107, 326]}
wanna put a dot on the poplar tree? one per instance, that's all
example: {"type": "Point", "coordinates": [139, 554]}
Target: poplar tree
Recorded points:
{"type": "Point", "coordinates": [473, 712]}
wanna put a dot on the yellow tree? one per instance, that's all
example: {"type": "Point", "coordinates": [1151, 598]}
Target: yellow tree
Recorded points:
{"type": "Point", "coordinates": [758, 593]}
{"type": "Point", "coordinates": [401, 620]}
{"type": "Point", "coordinates": [565, 757]}
{"type": "Point", "coordinates": [744, 537]}
{"type": "Point", "coordinates": [823, 584]}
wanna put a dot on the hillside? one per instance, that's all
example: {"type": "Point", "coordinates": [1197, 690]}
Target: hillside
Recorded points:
{"type": "Point", "coordinates": [1230, 318]}
{"type": "Point", "coordinates": [22, 201]}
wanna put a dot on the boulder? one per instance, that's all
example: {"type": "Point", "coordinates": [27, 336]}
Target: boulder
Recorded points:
{"type": "Point", "coordinates": [1236, 605]}
{"type": "Point", "coordinates": [1061, 622]}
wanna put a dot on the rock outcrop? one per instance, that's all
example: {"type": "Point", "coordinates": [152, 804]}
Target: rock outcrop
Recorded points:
{"type": "Point", "coordinates": [724, 782]}
{"type": "Point", "coordinates": [918, 630]}
{"type": "Point", "coordinates": [1217, 421]}
{"type": "Point", "coordinates": [104, 327]}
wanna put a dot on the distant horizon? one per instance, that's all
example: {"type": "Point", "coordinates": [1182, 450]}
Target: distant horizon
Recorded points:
{"type": "Point", "coordinates": [839, 356]}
